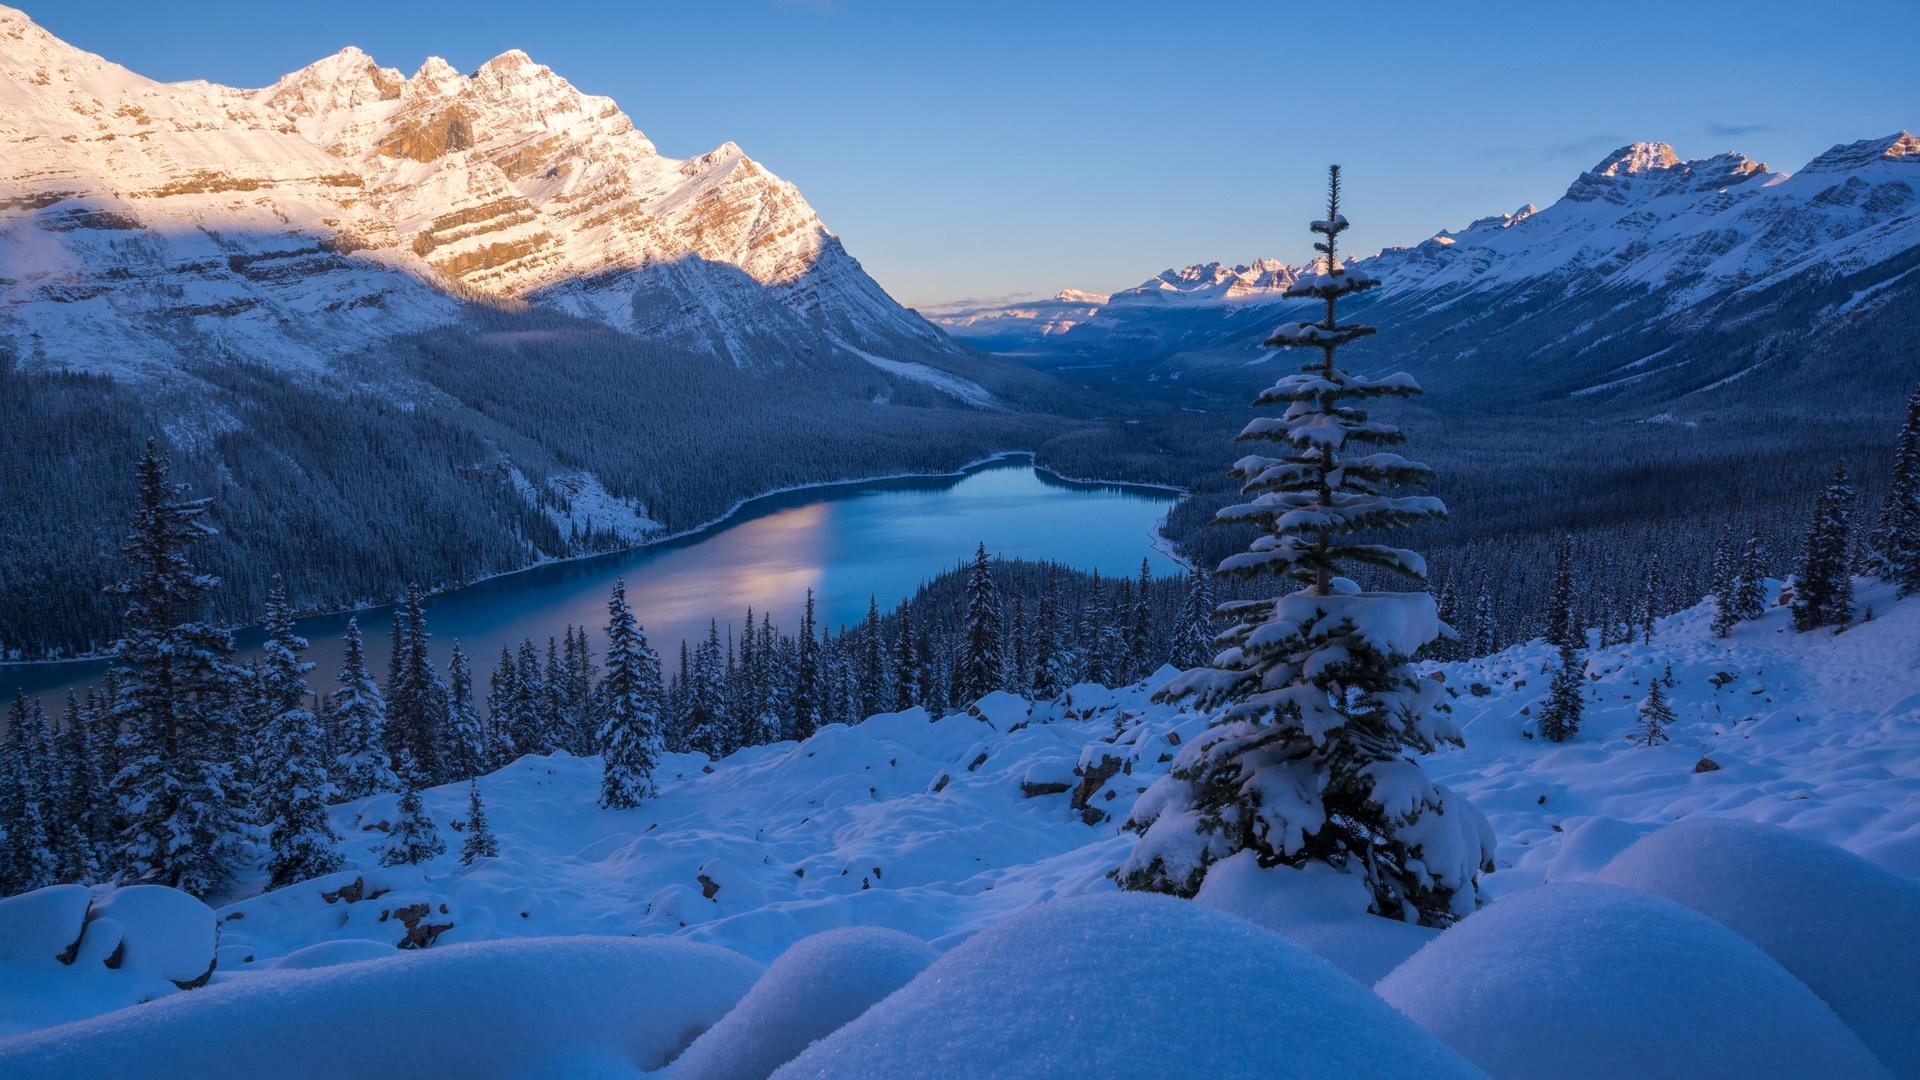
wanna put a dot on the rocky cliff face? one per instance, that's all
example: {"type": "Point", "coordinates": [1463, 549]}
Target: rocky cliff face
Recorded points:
{"type": "Point", "coordinates": [143, 223]}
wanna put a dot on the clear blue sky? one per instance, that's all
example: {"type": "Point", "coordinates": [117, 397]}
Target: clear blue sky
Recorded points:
{"type": "Point", "coordinates": [992, 149]}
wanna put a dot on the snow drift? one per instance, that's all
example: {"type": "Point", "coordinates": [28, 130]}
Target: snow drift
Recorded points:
{"type": "Point", "coordinates": [1129, 985]}
{"type": "Point", "coordinates": [1596, 982]}
{"type": "Point", "coordinates": [581, 1006]}
{"type": "Point", "coordinates": [1848, 929]}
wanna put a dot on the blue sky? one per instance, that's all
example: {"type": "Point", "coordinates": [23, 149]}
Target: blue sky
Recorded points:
{"type": "Point", "coordinates": [986, 150]}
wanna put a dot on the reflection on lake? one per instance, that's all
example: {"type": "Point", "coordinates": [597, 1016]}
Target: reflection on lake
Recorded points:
{"type": "Point", "coordinates": [880, 538]}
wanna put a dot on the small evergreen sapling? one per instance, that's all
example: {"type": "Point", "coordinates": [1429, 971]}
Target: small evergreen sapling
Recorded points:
{"type": "Point", "coordinates": [1823, 586]}
{"type": "Point", "coordinates": [1319, 705]}
{"type": "Point", "coordinates": [414, 838]}
{"type": "Point", "coordinates": [480, 842]}
{"type": "Point", "coordinates": [1560, 717]}
{"type": "Point", "coordinates": [1655, 714]}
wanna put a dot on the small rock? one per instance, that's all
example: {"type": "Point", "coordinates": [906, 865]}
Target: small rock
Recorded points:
{"type": "Point", "coordinates": [1479, 690]}
{"type": "Point", "coordinates": [1706, 765]}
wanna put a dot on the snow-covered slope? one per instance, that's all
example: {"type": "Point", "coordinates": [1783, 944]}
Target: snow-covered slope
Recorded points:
{"type": "Point", "coordinates": [944, 828]}
{"type": "Point", "coordinates": [143, 223]}
{"type": "Point", "coordinates": [1600, 295]}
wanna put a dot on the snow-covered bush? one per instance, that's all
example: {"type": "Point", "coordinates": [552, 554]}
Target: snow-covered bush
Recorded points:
{"type": "Point", "coordinates": [1848, 929]}
{"type": "Point", "coordinates": [1595, 982]}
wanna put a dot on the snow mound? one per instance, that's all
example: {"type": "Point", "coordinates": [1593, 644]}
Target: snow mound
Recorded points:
{"type": "Point", "coordinates": [330, 953]}
{"type": "Point", "coordinates": [813, 989]}
{"type": "Point", "coordinates": [581, 1006]}
{"type": "Point", "coordinates": [64, 957]}
{"type": "Point", "coordinates": [1594, 982]}
{"type": "Point", "coordinates": [1315, 906]}
{"type": "Point", "coordinates": [1124, 984]}
{"type": "Point", "coordinates": [1847, 928]}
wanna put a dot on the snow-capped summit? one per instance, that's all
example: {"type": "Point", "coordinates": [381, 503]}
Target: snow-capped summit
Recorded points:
{"type": "Point", "coordinates": [1636, 158]}
{"type": "Point", "coordinates": [346, 198]}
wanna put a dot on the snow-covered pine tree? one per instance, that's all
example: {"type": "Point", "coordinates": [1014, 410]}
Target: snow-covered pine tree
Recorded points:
{"type": "Point", "coordinates": [1897, 541]}
{"type": "Point", "coordinates": [1193, 647]}
{"type": "Point", "coordinates": [1140, 659]}
{"type": "Point", "coordinates": [873, 663]}
{"type": "Point", "coordinates": [1097, 636]}
{"type": "Point", "coordinates": [805, 701]}
{"type": "Point", "coordinates": [415, 838]}
{"type": "Point", "coordinates": [1655, 714]}
{"type": "Point", "coordinates": [905, 693]}
{"type": "Point", "coordinates": [467, 752]}
{"type": "Point", "coordinates": [981, 670]}
{"type": "Point", "coordinates": [630, 738]}
{"type": "Point", "coordinates": [503, 689]}
{"type": "Point", "coordinates": [1018, 636]}
{"type": "Point", "coordinates": [1563, 627]}
{"type": "Point", "coordinates": [1486, 628]}
{"type": "Point", "coordinates": [82, 810]}
{"type": "Point", "coordinates": [1560, 716]}
{"type": "Point", "coordinates": [480, 842]}
{"type": "Point", "coordinates": [360, 717]}
{"type": "Point", "coordinates": [1650, 601]}
{"type": "Point", "coordinates": [26, 859]}
{"type": "Point", "coordinates": [1823, 585]}
{"type": "Point", "coordinates": [1318, 703]}
{"type": "Point", "coordinates": [706, 704]}
{"type": "Point", "coordinates": [293, 788]}
{"type": "Point", "coordinates": [183, 826]}
{"type": "Point", "coordinates": [1048, 661]}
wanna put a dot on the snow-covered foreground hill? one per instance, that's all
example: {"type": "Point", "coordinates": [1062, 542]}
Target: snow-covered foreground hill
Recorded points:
{"type": "Point", "coordinates": [952, 830]}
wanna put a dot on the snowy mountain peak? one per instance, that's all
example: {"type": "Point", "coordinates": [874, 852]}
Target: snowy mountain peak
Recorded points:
{"type": "Point", "coordinates": [508, 181]}
{"type": "Point", "coordinates": [1899, 147]}
{"type": "Point", "coordinates": [1636, 158]}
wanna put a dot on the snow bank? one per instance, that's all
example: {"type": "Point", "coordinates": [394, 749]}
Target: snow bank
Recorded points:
{"type": "Point", "coordinates": [1595, 982]}
{"type": "Point", "coordinates": [1847, 928]}
{"type": "Point", "coordinates": [813, 989]}
{"type": "Point", "coordinates": [64, 957]}
{"type": "Point", "coordinates": [582, 1006]}
{"type": "Point", "coordinates": [1129, 985]}
{"type": "Point", "coordinates": [1315, 906]}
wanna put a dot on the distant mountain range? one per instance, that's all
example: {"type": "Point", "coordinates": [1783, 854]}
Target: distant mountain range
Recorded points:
{"type": "Point", "coordinates": [1651, 279]}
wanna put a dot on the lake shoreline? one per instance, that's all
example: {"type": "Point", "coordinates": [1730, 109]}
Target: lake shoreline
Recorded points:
{"type": "Point", "coordinates": [1157, 541]}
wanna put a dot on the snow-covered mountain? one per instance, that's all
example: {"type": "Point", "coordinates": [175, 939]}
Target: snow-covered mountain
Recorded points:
{"type": "Point", "coordinates": [142, 223]}
{"type": "Point", "coordinates": [1651, 276]}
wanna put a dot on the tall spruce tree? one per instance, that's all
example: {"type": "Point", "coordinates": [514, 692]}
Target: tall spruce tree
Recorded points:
{"type": "Point", "coordinates": [1140, 659]}
{"type": "Point", "coordinates": [1746, 597]}
{"type": "Point", "coordinates": [1560, 716]}
{"type": "Point", "coordinates": [360, 717]}
{"type": "Point", "coordinates": [417, 715]}
{"type": "Point", "coordinates": [1897, 540]}
{"type": "Point", "coordinates": [27, 860]}
{"type": "Point", "coordinates": [526, 724]}
{"type": "Point", "coordinates": [293, 784]}
{"type": "Point", "coordinates": [1823, 585]}
{"type": "Point", "coordinates": [1319, 704]}
{"type": "Point", "coordinates": [503, 689]}
{"type": "Point", "coordinates": [1193, 648]}
{"type": "Point", "coordinates": [82, 806]}
{"type": "Point", "coordinates": [630, 738]}
{"type": "Point", "coordinates": [467, 751]}
{"type": "Point", "coordinates": [873, 663]}
{"type": "Point", "coordinates": [184, 826]}
{"type": "Point", "coordinates": [1049, 661]}
{"type": "Point", "coordinates": [981, 670]}
{"type": "Point", "coordinates": [906, 663]}
{"type": "Point", "coordinates": [806, 677]}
